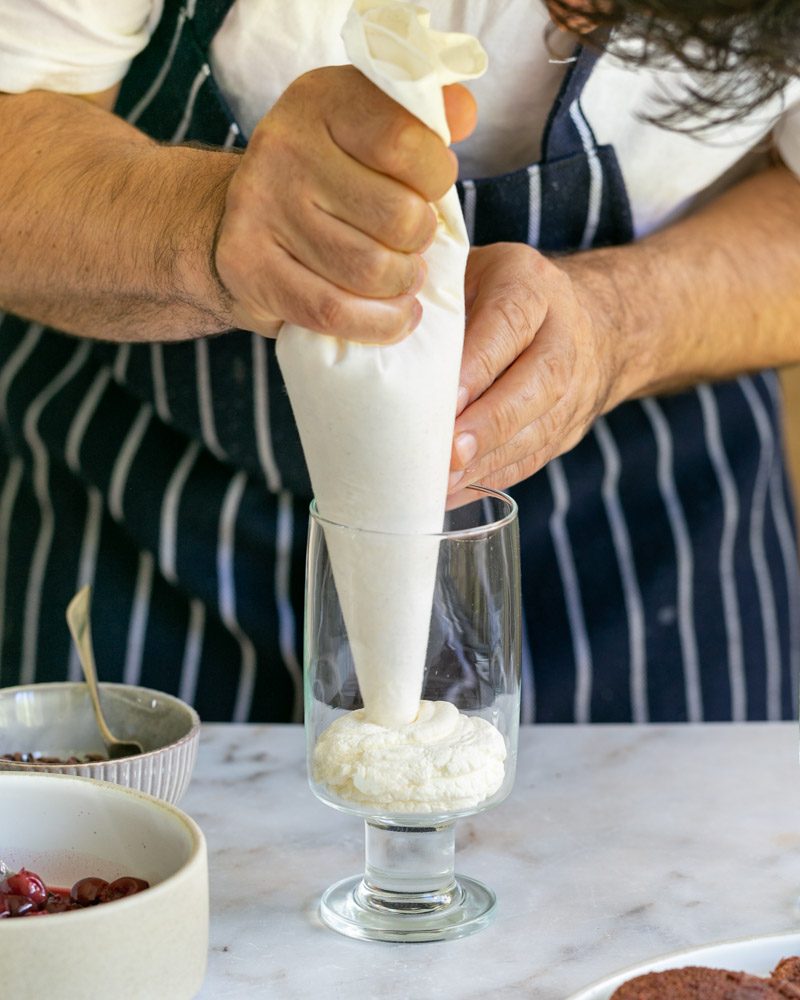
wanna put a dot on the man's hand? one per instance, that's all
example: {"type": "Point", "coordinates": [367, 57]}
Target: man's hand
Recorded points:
{"type": "Point", "coordinates": [550, 345]}
{"type": "Point", "coordinates": [535, 373]}
{"type": "Point", "coordinates": [328, 213]}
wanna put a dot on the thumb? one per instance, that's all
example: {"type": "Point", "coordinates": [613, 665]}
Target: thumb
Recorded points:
{"type": "Point", "coordinates": [461, 111]}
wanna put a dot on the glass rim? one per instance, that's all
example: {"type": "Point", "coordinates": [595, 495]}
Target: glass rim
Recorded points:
{"type": "Point", "coordinates": [474, 532]}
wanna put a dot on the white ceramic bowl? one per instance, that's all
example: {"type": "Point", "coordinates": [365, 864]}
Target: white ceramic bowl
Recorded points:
{"type": "Point", "coordinates": [56, 720]}
{"type": "Point", "coordinates": [148, 946]}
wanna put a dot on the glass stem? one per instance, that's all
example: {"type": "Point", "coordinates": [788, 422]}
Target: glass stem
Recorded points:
{"type": "Point", "coordinates": [409, 869]}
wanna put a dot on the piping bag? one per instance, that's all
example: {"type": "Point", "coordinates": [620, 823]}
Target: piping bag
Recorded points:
{"type": "Point", "coordinates": [376, 422]}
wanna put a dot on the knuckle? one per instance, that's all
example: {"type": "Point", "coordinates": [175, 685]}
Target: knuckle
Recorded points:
{"type": "Point", "coordinates": [507, 419]}
{"type": "Point", "coordinates": [317, 76]}
{"type": "Point", "coordinates": [484, 364]}
{"type": "Point", "coordinates": [515, 316]}
{"type": "Point", "coordinates": [326, 313]}
{"type": "Point", "coordinates": [402, 140]}
{"type": "Point", "coordinates": [428, 225]}
{"type": "Point", "coordinates": [369, 268]}
{"type": "Point", "coordinates": [372, 270]}
{"type": "Point", "coordinates": [410, 152]}
{"type": "Point", "coordinates": [549, 432]}
{"type": "Point", "coordinates": [400, 321]}
{"type": "Point", "coordinates": [408, 220]}
{"type": "Point", "coordinates": [377, 271]}
{"type": "Point", "coordinates": [317, 81]}
{"type": "Point", "coordinates": [556, 371]}
{"type": "Point", "coordinates": [270, 139]}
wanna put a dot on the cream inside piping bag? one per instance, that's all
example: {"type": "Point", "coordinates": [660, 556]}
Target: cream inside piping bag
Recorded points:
{"type": "Point", "coordinates": [376, 422]}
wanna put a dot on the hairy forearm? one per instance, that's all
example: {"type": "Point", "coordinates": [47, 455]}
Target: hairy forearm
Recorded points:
{"type": "Point", "coordinates": [712, 296]}
{"type": "Point", "coordinates": [103, 232]}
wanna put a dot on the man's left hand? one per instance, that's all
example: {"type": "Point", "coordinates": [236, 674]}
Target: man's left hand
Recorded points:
{"type": "Point", "coordinates": [536, 368]}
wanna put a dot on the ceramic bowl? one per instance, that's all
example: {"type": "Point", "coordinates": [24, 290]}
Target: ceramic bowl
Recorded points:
{"type": "Point", "coordinates": [152, 944]}
{"type": "Point", "coordinates": [56, 720]}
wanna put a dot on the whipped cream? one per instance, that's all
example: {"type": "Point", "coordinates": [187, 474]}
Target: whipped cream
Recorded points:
{"type": "Point", "coordinates": [443, 761]}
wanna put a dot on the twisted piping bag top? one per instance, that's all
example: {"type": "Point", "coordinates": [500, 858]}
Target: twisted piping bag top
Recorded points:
{"type": "Point", "coordinates": [376, 422]}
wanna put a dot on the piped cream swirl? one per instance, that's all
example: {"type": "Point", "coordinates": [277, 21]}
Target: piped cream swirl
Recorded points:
{"type": "Point", "coordinates": [443, 761]}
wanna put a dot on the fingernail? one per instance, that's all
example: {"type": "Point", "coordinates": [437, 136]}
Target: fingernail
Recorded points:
{"type": "Point", "coordinates": [455, 477]}
{"type": "Point", "coordinates": [463, 396]}
{"type": "Point", "coordinates": [466, 446]}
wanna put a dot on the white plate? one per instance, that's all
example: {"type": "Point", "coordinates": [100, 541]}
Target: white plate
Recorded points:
{"type": "Point", "coordinates": [758, 956]}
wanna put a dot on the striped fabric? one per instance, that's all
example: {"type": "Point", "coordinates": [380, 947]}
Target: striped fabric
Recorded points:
{"type": "Point", "coordinates": [660, 568]}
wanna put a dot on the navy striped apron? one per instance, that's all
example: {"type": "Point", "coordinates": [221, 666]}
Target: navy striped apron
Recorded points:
{"type": "Point", "coordinates": [660, 570]}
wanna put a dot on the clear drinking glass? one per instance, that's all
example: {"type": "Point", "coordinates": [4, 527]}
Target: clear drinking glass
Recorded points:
{"type": "Point", "coordinates": [410, 792]}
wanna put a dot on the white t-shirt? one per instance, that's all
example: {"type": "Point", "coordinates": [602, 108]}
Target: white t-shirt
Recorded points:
{"type": "Point", "coordinates": [86, 46]}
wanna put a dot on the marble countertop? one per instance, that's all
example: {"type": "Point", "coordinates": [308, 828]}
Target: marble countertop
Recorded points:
{"type": "Point", "coordinates": [618, 843]}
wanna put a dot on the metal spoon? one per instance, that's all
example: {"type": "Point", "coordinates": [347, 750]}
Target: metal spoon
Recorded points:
{"type": "Point", "coordinates": [78, 621]}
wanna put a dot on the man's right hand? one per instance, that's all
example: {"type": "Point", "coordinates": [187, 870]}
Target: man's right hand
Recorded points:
{"type": "Point", "coordinates": [328, 212]}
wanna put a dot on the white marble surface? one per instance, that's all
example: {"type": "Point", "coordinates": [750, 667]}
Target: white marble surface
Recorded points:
{"type": "Point", "coordinates": [616, 845]}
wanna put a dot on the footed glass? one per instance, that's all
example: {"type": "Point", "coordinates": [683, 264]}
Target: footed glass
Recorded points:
{"type": "Point", "coordinates": [411, 783]}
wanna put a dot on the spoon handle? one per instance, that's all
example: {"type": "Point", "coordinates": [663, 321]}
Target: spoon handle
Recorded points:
{"type": "Point", "coordinates": [78, 621]}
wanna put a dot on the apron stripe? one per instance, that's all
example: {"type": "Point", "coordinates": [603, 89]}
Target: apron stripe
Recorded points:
{"type": "Point", "coordinates": [121, 362]}
{"type": "Point", "coordinates": [190, 666]}
{"type": "Point", "coordinates": [122, 466]}
{"type": "Point", "coordinates": [87, 562]}
{"type": "Point", "coordinates": [627, 568]}
{"type": "Point", "coordinates": [569, 579]}
{"type": "Point", "coordinates": [233, 134]}
{"type": "Point", "coordinates": [41, 472]}
{"type": "Point", "coordinates": [142, 105]}
{"type": "Point", "coordinates": [197, 83]}
{"type": "Point", "coordinates": [227, 595]}
{"type": "Point", "coordinates": [685, 558]}
{"type": "Point", "coordinates": [160, 396]}
{"type": "Point", "coordinates": [595, 175]}
{"type": "Point", "coordinates": [261, 406]}
{"type": "Point", "coordinates": [788, 544]}
{"type": "Point", "coordinates": [7, 501]}
{"type": "Point", "coordinates": [468, 208]}
{"type": "Point", "coordinates": [168, 544]}
{"type": "Point", "coordinates": [83, 415]}
{"type": "Point", "coordinates": [528, 693]}
{"type": "Point", "coordinates": [286, 622]}
{"type": "Point", "coordinates": [730, 508]}
{"type": "Point", "coordinates": [17, 359]}
{"type": "Point", "coordinates": [534, 204]}
{"type": "Point", "coordinates": [766, 597]}
{"type": "Point", "coordinates": [137, 627]}
{"type": "Point", "coordinates": [205, 400]}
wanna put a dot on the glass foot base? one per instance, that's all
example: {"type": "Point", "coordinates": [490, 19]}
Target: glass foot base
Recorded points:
{"type": "Point", "coordinates": [350, 908]}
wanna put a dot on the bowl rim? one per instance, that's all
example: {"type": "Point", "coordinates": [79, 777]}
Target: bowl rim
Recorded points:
{"type": "Point", "coordinates": [50, 685]}
{"type": "Point", "coordinates": [197, 853]}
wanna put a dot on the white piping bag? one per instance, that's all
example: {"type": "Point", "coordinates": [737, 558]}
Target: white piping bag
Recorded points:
{"type": "Point", "coordinates": [376, 422]}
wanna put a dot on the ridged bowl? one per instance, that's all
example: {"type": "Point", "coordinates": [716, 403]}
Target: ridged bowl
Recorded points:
{"type": "Point", "coordinates": [56, 720]}
{"type": "Point", "coordinates": [153, 944]}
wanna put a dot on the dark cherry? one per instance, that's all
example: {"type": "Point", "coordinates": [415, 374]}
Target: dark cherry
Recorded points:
{"type": "Point", "coordinates": [28, 884]}
{"type": "Point", "coordinates": [56, 903]}
{"type": "Point", "coordinates": [125, 886]}
{"type": "Point", "coordinates": [24, 894]}
{"type": "Point", "coordinates": [34, 757]}
{"type": "Point", "coordinates": [15, 905]}
{"type": "Point", "coordinates": [87, 891]}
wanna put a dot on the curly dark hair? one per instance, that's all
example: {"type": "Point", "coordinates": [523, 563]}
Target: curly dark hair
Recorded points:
{"type": "Point", "coordinates": [740, 53]}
